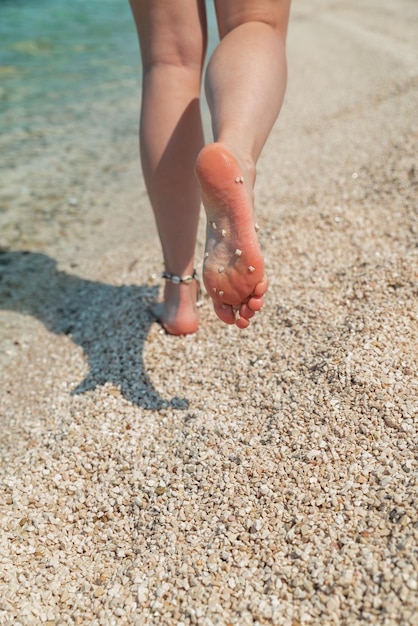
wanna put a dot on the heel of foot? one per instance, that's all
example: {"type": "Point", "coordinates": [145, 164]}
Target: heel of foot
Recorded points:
{"type": "Point", "coordinates": [216, 166]}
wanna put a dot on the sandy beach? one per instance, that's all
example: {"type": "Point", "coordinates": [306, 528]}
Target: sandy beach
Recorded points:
{"type": "Point", "coordinates": [266, 476]}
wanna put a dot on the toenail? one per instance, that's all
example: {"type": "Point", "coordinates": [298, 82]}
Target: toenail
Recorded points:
{"type": "Point", "coordinates": [238, 252]}
{"type": "Point", "coordinates": [223, 232]}
{"type": "Point", "coordinates": [221, 269]}
{"type": "Point", "coordinates": [251, 268]}
{"type": "Point", "coordinates": [257, 228]}
{"type": "Point", "coordinates": [221, 293]}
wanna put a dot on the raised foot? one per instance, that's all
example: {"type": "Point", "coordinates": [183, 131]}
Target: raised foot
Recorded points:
{"type": "Point", "coordinates": [233, 269]}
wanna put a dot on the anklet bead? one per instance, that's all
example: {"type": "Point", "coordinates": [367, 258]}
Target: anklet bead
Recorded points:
{"type": "Point", "coordinates": [176, 279]}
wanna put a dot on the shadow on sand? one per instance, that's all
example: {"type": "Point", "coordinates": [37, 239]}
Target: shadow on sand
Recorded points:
{"type": "Point", "coordinates": [109, 323]}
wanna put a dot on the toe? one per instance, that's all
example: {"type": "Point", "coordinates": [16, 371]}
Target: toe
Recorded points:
{"type": "Point", "coordinates": [224, 312]}
{"type": "Point", "coordinates": [255, 304]}
{"type": "Point", "coordinates": [246, 311]}
{"type": "Point", "coordinates": [261, 288]}
{"type": "Point", "coordinates": [242, 322]}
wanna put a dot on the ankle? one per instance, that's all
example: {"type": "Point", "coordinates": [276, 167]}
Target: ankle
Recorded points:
{"type": "Point", "coordinates": [181, 291]}
{"type": "Point", "coordinates": [178, 279]}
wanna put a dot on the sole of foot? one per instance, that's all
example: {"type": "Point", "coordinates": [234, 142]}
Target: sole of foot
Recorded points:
{"type": "Point", "coordinates": [233, 269]}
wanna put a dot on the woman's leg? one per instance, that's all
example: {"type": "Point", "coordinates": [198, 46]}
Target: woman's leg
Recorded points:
{"type": "Point", "coordinates": [172, 36]}
{"type": "Point", "coordinates": [245, 85]}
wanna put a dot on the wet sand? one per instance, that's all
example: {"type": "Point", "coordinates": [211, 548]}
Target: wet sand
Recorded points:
{"type": "Point", "coordinates": [260, 477]}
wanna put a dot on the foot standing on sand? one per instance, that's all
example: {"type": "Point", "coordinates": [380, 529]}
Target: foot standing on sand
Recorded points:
{"type": "Point", "coordinates": [245, 84]}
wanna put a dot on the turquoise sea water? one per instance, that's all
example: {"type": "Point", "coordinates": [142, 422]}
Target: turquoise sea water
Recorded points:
{"type": "Point", "coordinates": [60, 50]}
{"type": "Point", "coordinates": [57, 52]}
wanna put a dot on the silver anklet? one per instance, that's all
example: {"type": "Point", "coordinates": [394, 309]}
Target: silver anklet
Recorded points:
{"type": "Point", "coordinates": [176, 280]}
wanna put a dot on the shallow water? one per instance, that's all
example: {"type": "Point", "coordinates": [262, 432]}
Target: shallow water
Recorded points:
{"type": "Point", "coordinates": [55, 52]}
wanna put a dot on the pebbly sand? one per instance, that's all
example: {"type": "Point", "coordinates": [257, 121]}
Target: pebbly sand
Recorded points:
{"type": "Point", "coordinates": [260, 477]}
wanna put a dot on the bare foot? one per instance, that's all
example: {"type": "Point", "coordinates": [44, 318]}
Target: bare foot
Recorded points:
{"type": "Point", "coordinates": [178, 312]}
{"type": "Point", "coordinates": [233, 270]}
